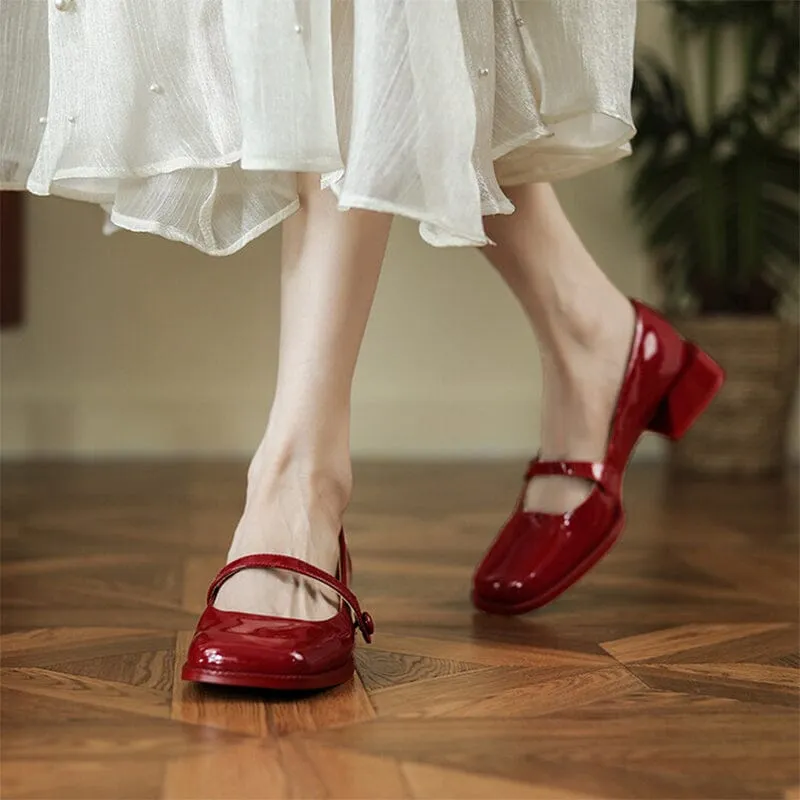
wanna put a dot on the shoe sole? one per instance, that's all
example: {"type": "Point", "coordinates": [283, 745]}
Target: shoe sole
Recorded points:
{"type": "Point", "coordinates": [262, 680]}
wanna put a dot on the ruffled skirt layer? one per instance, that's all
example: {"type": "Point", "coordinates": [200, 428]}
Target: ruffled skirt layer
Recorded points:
{"type": "Point", "coordinates": [190, 118]}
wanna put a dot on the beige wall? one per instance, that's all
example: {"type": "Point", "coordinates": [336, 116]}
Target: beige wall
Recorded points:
{"type": "Point", "coordinates": [135, 345]}
{"type": "Point", "coordinates": [139, 346]}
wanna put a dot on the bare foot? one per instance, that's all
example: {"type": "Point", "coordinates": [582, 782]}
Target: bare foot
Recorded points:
{"type": "Point", "coordinates": [579, 400]}
{"type": "Point", "coordinates": [288, 511]}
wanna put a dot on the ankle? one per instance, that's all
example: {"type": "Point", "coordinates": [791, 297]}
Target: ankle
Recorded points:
{"type": "Point", "coordinates": [293, 505]}
{"type": "Point", "coordinates": [580, 335]}
{"type": "Point", "coordinates": [325, 478]}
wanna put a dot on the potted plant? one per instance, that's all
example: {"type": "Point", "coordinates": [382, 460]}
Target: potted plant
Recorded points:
{"type": "Point", "coordinates": [716, 184]}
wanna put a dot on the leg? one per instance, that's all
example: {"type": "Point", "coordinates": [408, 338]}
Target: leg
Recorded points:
{"type": "Point", "coordinates": [584, 325]}
{"type": "Point", "coordinates": [299, 480]}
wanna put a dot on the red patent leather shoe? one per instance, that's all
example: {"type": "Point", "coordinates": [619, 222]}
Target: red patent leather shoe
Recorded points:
{"type": "Point", "coordinates": [240, 649]}
{"type": "Point", "coordinates": [668, 383]}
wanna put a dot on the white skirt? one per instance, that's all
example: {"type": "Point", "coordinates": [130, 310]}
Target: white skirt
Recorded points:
{"type": "Point", "coordinates": [190, 118]}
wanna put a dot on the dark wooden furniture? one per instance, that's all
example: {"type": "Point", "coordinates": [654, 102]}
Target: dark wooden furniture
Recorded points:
{"type": "Point", "coordinates": [11, 260]}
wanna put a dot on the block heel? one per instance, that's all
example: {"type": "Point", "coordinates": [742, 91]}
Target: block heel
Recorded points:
{"type": "Point", "coordinates": [697, 383]}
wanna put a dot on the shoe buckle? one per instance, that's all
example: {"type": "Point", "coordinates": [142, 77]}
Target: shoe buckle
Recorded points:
{"type": "Point", "coordinates": [364, 623]}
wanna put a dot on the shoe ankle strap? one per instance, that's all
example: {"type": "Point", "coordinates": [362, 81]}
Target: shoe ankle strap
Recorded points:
{"type": "Point", "coordinates": [362, 619]}
{"type": "Point", "coordinates": [595, 471]}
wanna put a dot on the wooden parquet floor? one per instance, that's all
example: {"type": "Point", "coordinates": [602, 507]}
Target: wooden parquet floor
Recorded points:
{"type": "Point", "coordinates": [671, 671]}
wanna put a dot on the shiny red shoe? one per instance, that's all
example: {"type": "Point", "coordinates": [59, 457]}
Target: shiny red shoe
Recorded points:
{"type": "Point", "coordinates": [668, 383]}
{"type": "Point", "coordinates": [240, 649]}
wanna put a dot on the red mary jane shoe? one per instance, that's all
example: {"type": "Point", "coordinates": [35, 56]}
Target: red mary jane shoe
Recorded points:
{"type": "Point", "coordinates": [668, 383]}
{"type": "Point", "coordinates": [239, 649]}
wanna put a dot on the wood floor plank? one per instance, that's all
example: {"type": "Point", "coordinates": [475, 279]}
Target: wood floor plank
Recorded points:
{"type": "Point", "coordinates": [690, 679]}
{"type": "Point", "coordinates": [538, 652]}
{"type": "Point", "coordinates": [429, 782]}
{"type": "Point", "coordinates": [670, 671]}
{"type": "Point", "coordinates": [23, 709]}
{"type": "Point", "coordinates": [250, 770]}
{"type": "Point", "coordinates": [122, 738]}
{"type": "Point", "coordinates": [495, 749]}
{"type": "Point", "coordinates": [44, 566]}
{"type": "Point", "coordinates": [346, 773]}
{"type": "Point", "coordinates": [152, 668]}
{"type": "Point", "coordinates": [285, 768]}
{"type": "Point", "coordinates": [343, 705]}
{"type": "Point", "coordinates": [46, 646]}
{"type": "Point", "coordinates": [97, 616]}
{"type": "Point", "coordinates": [91, 691]}
{"type": "Point", "coordinates": [577, 752]}
{"type": "Point", "coordinates": [775, 647]}
{"type": "Point", "coordinates": [759, 573]}
{"type": "Point", "coordinates": [543, 696]}
{"type": "Point", "coordinates": [380, 669]}
{"type": "Point", "coordinates": [503, 692]}
{"type": "Point", "coordinates": [759, 674]}
{"type": "Point", "coordinates": [81, 780]}
{"type": "Point", "coordinates": [660, 643]}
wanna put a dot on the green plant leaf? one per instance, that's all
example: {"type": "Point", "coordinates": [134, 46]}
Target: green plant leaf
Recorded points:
{"type": "Point", "coordinates": [720, 208]}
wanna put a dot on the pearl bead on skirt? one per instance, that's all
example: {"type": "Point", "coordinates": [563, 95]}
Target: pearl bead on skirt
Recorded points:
{"type": "Point", "coordinates": [190, 118]}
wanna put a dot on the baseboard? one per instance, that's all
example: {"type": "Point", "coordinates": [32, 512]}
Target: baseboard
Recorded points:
{"type": "Point", "coordinates": [469, 423]}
